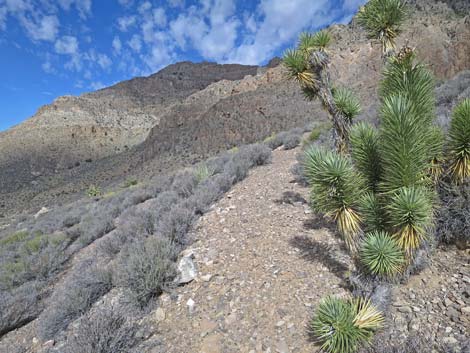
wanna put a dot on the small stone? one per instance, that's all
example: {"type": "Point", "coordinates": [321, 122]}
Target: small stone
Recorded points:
{"type": "Point", "coordinates": [448, 329]}
{"type": "Point", "coordinates": [447, 302]}
{"type": "Point", "coordinates": [41, 211]}
{"type": "Point", "coordinates": [229, 320]}
{"type": "Point", "coordinates": [405, 309]}
{"type": "Point", "coordinates": [450, 340]}
{"type": "Point", "coordinates": [159, 315]}
{"type": "Point", "coordinates": [206, 278]}
{"type": "Point", "coordinates": [49, 344]}
{"type": "Point", "coordinates": [190, 303]}
{"type": "Point", "coordinates": [35, 341]}
{"type": "Point", "coordinates": [280, 323]}
{"type": "Point", "coordinates": [211, 344]}
{"type": "Point", "coordinates": [282, 347]}
{"type": "Point", "coordinates": [465, 310]}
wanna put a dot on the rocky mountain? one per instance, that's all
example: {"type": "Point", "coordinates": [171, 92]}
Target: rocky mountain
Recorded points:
{"type": "Point", "coordinates": [190, 111]}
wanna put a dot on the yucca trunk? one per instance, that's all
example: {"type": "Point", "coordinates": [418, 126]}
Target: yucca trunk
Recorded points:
{"type": "Point", "coordinates": [319, 60]}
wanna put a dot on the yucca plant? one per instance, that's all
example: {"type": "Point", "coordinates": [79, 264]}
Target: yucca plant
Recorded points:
{"type": "Point", "coordinates": [308, 65]}
{"type": "Point", "coordinates": [343, 325]}
{"type": "Point", "coordinates": [381, 255]}
{"type": "Point", "coordinates": [409, 213]}
{"type": "Point", "coordinates": [372, 211]}
{"type": "Point", "coordinates": [459, 141]}
{"type": "Point", "coordinates": [382, 19]}
{"type": "Point", "coordinates": [336, 189]}
{"type": "Point", "coordinates": [365, 152]}
{"type": "Point", "coordinates": [347, 103]}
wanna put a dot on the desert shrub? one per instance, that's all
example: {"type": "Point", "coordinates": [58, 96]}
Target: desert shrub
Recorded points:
{"type": "Point", "coordinates": [209, 191]}
{"type": "Point", "coordinates": [104, 330]}
{"type": "Point", "coordinates": [130, 182]}
{"type": "Point", "coordinates": [254, 155]}
{"type": "Point", "coordinates": [342, 326]}
{"type": "Point", "coordinates": [275, 141]}
{"type": "Point", "coordinates": [202, 172]}
{"type": "Point", "coordinates": [184, 183]}
{"type": "Point", "coordinates": [93, 227]}
{"type": "Point", "coordinates": [14, 238]}
{"type": "Point", "coordinates": [145, 268]}
{"type": "Point", "coordinates": [83, 287]}
{"type": "Point", "coordinates": [19, 306]}
{"type": "Point", "coordinates": [175, 224]}
{"type": "Point", "coordinates": [291, 141]}
{"type": "Point", "coordinates": [165, 201]}
{"type": "Point", "coordinates": [453, 218]}
{"type": "Point", "coordinates": [70, 221]}
{"type": "Point", "coordinates": [217, 164]}
{"type": "Point", "coordinates": [94, 191]}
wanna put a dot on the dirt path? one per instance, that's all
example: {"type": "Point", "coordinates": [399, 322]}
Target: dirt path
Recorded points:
{"type": "Point", "coordinates": [262, 266]}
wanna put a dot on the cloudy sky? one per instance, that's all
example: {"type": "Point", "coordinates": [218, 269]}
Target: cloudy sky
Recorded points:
{"type": "Point", "coordinates": [50, 48]}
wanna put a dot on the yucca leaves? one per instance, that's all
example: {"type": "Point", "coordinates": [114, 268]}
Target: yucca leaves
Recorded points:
{"type": "Point", "coordinates": [413, 81]}
{"type": "Point", "coordinates": [436, 147]}
{"type": "Point", "coordinates": [404, 144]}
{"type": "Point", "coordinates": [297, 66]}
{"type": "Point", "coordinates": [347, 103]}
{"type": "Point", "coordinates": [314, 41]}
{"type": "Point", "coordinates": [365, 152]}
{"type": "Point", "coordinates": [382, 20]}
{"type": "Point", "coordinates": [410, 213]}
{"type": "Point", "coordinates": [459, 141]}
{"type": "Point", "coordinates": [381, 255]}
{"type": "Point", "coordinates": [336, 188]}
{"type": "Point", "coordinates": [372, 212]}
{"type": "Point", "coordinates": [342, 326]}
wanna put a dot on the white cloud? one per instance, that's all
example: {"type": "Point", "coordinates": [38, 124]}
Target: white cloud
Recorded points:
{"type": "Point", "coordinates": [159, 17]}
{"type": "Point", "coordinates": [3, 18]}
{"type": "Point", "coordinates": [104, 61]}
{"type": "Point", "coordinates": [66, 45]}
{"type": "Point", "coordinates": [41, 28]}
{"type": "Point", "coordinates": [83, 6]}
{"type": "Point", "coordinates": [97, 85]}
{"type": "Point", "coordinates": [124, 23]}
{"type": "Point", "coordinates": [117, 45]}
{"type": "Point", "coordinates": [135, 43]}
{"type": "Point", "coordinates": [176, 3]}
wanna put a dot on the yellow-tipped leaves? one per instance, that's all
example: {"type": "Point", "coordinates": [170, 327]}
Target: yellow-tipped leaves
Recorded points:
{"type": "Point", "coordinates": [459, 141]}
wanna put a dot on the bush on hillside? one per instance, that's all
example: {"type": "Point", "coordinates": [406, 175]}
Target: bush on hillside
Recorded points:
{"type": "Point", "coordinates": [105, 330]}
{"type": "Point", "coordinates": [453, 218]}
{"type": "Point", "coordinates": [146, 268]}
{"type": "Point", "coordinates": [80, 291]}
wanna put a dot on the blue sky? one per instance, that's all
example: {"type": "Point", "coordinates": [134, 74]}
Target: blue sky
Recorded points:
{"type": "Point", "coordinates": [50, 48]}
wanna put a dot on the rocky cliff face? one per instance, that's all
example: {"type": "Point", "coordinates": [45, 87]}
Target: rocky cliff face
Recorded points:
{"type": "Point", "coordinates": [189, 111]}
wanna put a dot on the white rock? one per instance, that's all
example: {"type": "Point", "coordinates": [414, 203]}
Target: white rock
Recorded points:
{"type": "Point", "coordinates": [41, 211]}
{"type": "Point", "coordinates": [187, 270]}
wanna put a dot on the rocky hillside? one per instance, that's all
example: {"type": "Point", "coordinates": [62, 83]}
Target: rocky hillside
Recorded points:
{"type": "Point", "coordinates": [190, 111]}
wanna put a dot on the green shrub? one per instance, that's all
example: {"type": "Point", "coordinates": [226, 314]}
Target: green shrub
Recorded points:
{"type": "Point", "coordinates": [130, 182]}
{"type": "Point", "coordinates": [94, 191]}
{"type": "Point", "coordinates": [203, 172]}
{"type": "Point", "coordinates": [342, 326]}
{"type": "Point", "coordinates": [381, 255]}
{"type": "Point", "coordinates": [14, 238]}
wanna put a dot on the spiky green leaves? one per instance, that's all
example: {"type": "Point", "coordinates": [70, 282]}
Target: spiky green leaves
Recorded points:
{"type": "Point", "coordinates": [342, 326]}
{"type": "Point", "coordinates": [404, 147]}
{"type": "Point", "coordinates": [459, 141]}
{"type": "Point", "coordinates": [309, 42]}
{"type": "Point", "coordinates": [412, 81]}
{"type": "Point", "coordinates": [365, 152]}
{"type": "Point", "coordinates": [336, 188]}
{"type": "Point", "coordinates": [381, 255]}
{"type": "Point", "coordinates": [297, 61]}
{"type": "Point", "coordinates": [409, 213]}
{"type": "Point", "coordinates": [382, 20]}
{"type": "Point", "coordinates": [347, 103]}
{"type": "Point", "coordinates": [297, 67]}
{"type": "Point", "coordinates": [372, 212]}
